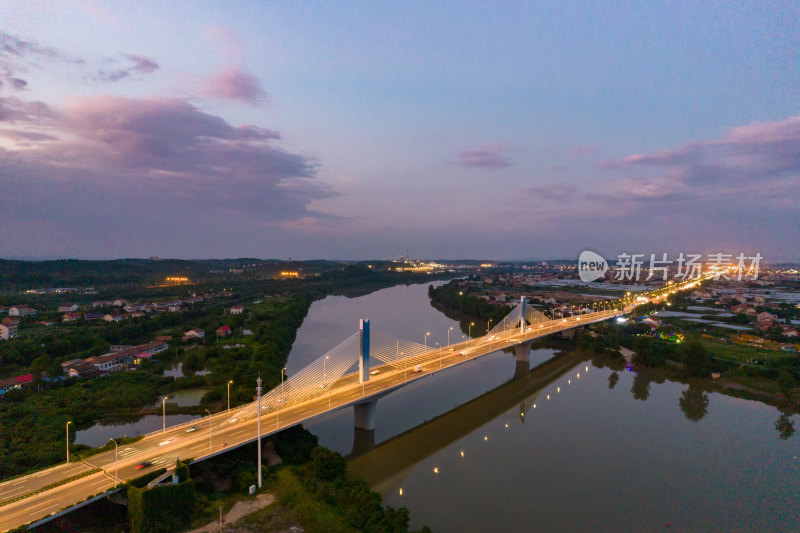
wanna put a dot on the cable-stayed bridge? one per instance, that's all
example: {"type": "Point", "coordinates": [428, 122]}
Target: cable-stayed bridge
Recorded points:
{"type": "Point", "coordinates": [358, 371]}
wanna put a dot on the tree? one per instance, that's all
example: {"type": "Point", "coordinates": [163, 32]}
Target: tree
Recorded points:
{"type": "Point", "coordinates": [696, 358]}
{"type": "Point", "coordinates": [786, 383]}
{"type": "Point", "coordinates": [694, 403]}
{"type": "Point", "coordinates": [325, 464]}
{"type": "Point", "coordinates": [612, 380]}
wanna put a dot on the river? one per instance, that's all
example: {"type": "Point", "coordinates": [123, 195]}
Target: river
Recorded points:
{"type": "Point", "coordinates": [555, 445]}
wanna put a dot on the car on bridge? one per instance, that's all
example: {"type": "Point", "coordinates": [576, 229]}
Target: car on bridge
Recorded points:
{"type": "Point", "coordinates": [417, 369]}
{"type": "Point", "coordinates": [143, 464]}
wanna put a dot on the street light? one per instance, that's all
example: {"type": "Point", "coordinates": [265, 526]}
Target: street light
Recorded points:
{"type": "Point", "coordinates": [448, 335]}
{"type": "Point", "coordinates": [164, 415]}
{"type": "Point", "coordinates": [426, 340]}
{"type": "Point", "coordinates": [116, 469]}
{"type": "Point", "coordinates": [278, 410]}
{"type": "Point", "coordinates": [68, 423]}
{"type": "Point", "coordinates": [487, 325]}
{"type": "Point", "coordinates": [469, 330]}
{"type": "Point", "coordinates": [229, 394]}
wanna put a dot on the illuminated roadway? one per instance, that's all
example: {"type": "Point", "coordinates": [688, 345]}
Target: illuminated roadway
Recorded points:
{"type": "Point", "coordinates": [213, 435]}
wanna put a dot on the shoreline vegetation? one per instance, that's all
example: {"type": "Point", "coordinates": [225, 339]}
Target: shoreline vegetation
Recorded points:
{"type": "Point", "coordinates": [33, 418]}
{"type": "Point", "coordinates": [695, 361]}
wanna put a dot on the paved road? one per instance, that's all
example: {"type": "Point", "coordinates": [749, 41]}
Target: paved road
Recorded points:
{"type": "Point", "coordinates": [21, 486]}
{"type": "Point", "coordinates": [216, 434]}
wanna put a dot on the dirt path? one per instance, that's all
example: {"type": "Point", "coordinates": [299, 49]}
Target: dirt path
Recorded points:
{"type": "Point", "coordinates": [238, 510]}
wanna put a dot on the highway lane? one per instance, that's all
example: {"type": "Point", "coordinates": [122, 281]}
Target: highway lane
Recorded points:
{"type": "Point", "coordinates": [21, 486]}
{"type": "Point", "coordinates": [161, 449]}
{"type": "Point", "coordinates": [46, 503]}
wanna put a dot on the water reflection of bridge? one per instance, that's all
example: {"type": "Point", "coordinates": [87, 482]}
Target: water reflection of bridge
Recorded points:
{"type": "Point", "coordinates": [385, 465]}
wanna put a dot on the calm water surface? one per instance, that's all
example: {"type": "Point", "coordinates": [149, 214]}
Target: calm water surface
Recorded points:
{"type": "Point", "coordinates": [102, 431]}
{"type": "Point", "coordinates": [608, 451]}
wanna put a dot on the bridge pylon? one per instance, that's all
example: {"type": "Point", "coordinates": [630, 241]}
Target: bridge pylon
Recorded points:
{"type": "Point", "coordinates": [522, 322]}
{"type": "Point", "coordinates": [363, 359]}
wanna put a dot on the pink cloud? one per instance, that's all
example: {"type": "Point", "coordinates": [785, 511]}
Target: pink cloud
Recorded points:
{"type": "Point", "coordinates": [234, 84]}
{"type": "Point", "coordinates": [490, 157]}
{"type": "Point", "coordinates": [158, 155]}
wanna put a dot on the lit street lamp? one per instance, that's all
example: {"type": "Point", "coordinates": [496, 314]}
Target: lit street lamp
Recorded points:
{"type": "Point", "coordinates": [229, 394]}
{"type": "Point", "coordinates": [68, 423]}
{"type": "Point", "coordinates": [164, 415]}
{"type": "Point", "coordinates": [426, 340]}
{"type": "Point", "coordinates": [469, 330]}
{"type": "Point", "coordinates": [280, 400]}
{"type": "Point", "coordinates": [448, 335]}
{"type": "Point", "coordinates": [116, 469]}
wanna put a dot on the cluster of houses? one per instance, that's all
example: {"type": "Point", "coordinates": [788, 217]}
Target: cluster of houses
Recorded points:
{"type": "Point", "coordinates": [120, 357]}
{"type": "Point", "coordinates": [72, 312]}
{"type": "Point", "coordinates": [742, 304]}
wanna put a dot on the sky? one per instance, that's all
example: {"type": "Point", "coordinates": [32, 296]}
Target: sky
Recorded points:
{"type": "Point", "coordinates": [363, 130]}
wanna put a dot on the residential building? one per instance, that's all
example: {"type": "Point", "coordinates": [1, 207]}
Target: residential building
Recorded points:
{"type": "Point", "coordinates": [15, 383]}
{"type": "Point", "coordinates": [237, 309]}
{"type": "Point", "coordinates": [7, 332]}
{"type": "Point", "coordinates": [21, 310]}
{"type": "Point", "coordinates": [223, 331]}
{"type": "Point", "coordinates": [193, 334]}
{"type": "Point", "coordinates": [71, 317]}
{"type": "Point", "coordinates": [119, 302]}
{"type": "Point", "coordinates": [68, 308]}
{"type": "Point", "coordinates": [10, 321]}
{"type": "Point", "coordinates": [123, 357]}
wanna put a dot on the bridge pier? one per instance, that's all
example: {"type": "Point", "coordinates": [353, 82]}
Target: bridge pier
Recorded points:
{"type": "Point", "coordinates": [365, 415]}
{"type": "Point", "coordinates": [522, 350]}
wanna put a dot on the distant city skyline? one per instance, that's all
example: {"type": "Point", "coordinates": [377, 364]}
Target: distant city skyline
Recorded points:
{"type": "Point", "coordinates": [359, 131]}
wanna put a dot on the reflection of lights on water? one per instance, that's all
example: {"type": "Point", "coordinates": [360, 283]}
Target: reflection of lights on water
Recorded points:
{"type": "Point", "coordinates": [548, 396]}
{"type": "Point", "coordinates": [401, 492]}
{"type": "Point", "coordinates": [506, 428]}
{"type": "Point", "coordinates": [522, 414]}
{"type": "Point", "coordinates": [587, 368]}
{"type": "Point", "coordinates": [435, 469]}
{"type": "Point", "coordinates": [569, 381]}
{"type": "Point", "coordinates": [486, 437]}
{"type": "Point", "coordinates": [462, 453]}
{"type": "Point", "coordinates": [558, 389]}
{"type": "Point", "coordinates": [534, 406]}
{"type": "Point", "coordinates": [579, 375]}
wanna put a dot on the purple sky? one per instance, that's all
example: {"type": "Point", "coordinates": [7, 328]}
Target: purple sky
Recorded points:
{"type": "Point", "coordinates": [359, 130]}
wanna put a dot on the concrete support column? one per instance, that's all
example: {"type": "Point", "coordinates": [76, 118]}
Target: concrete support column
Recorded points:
{"type": "Point", "coordinates": [522, 351]}
{"type": "Point", "coordinates": [363, 360]}
{"type": "Point", "coordinates": [365, 415]}
{"type": "Point", "coordinates": [522, 322]}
